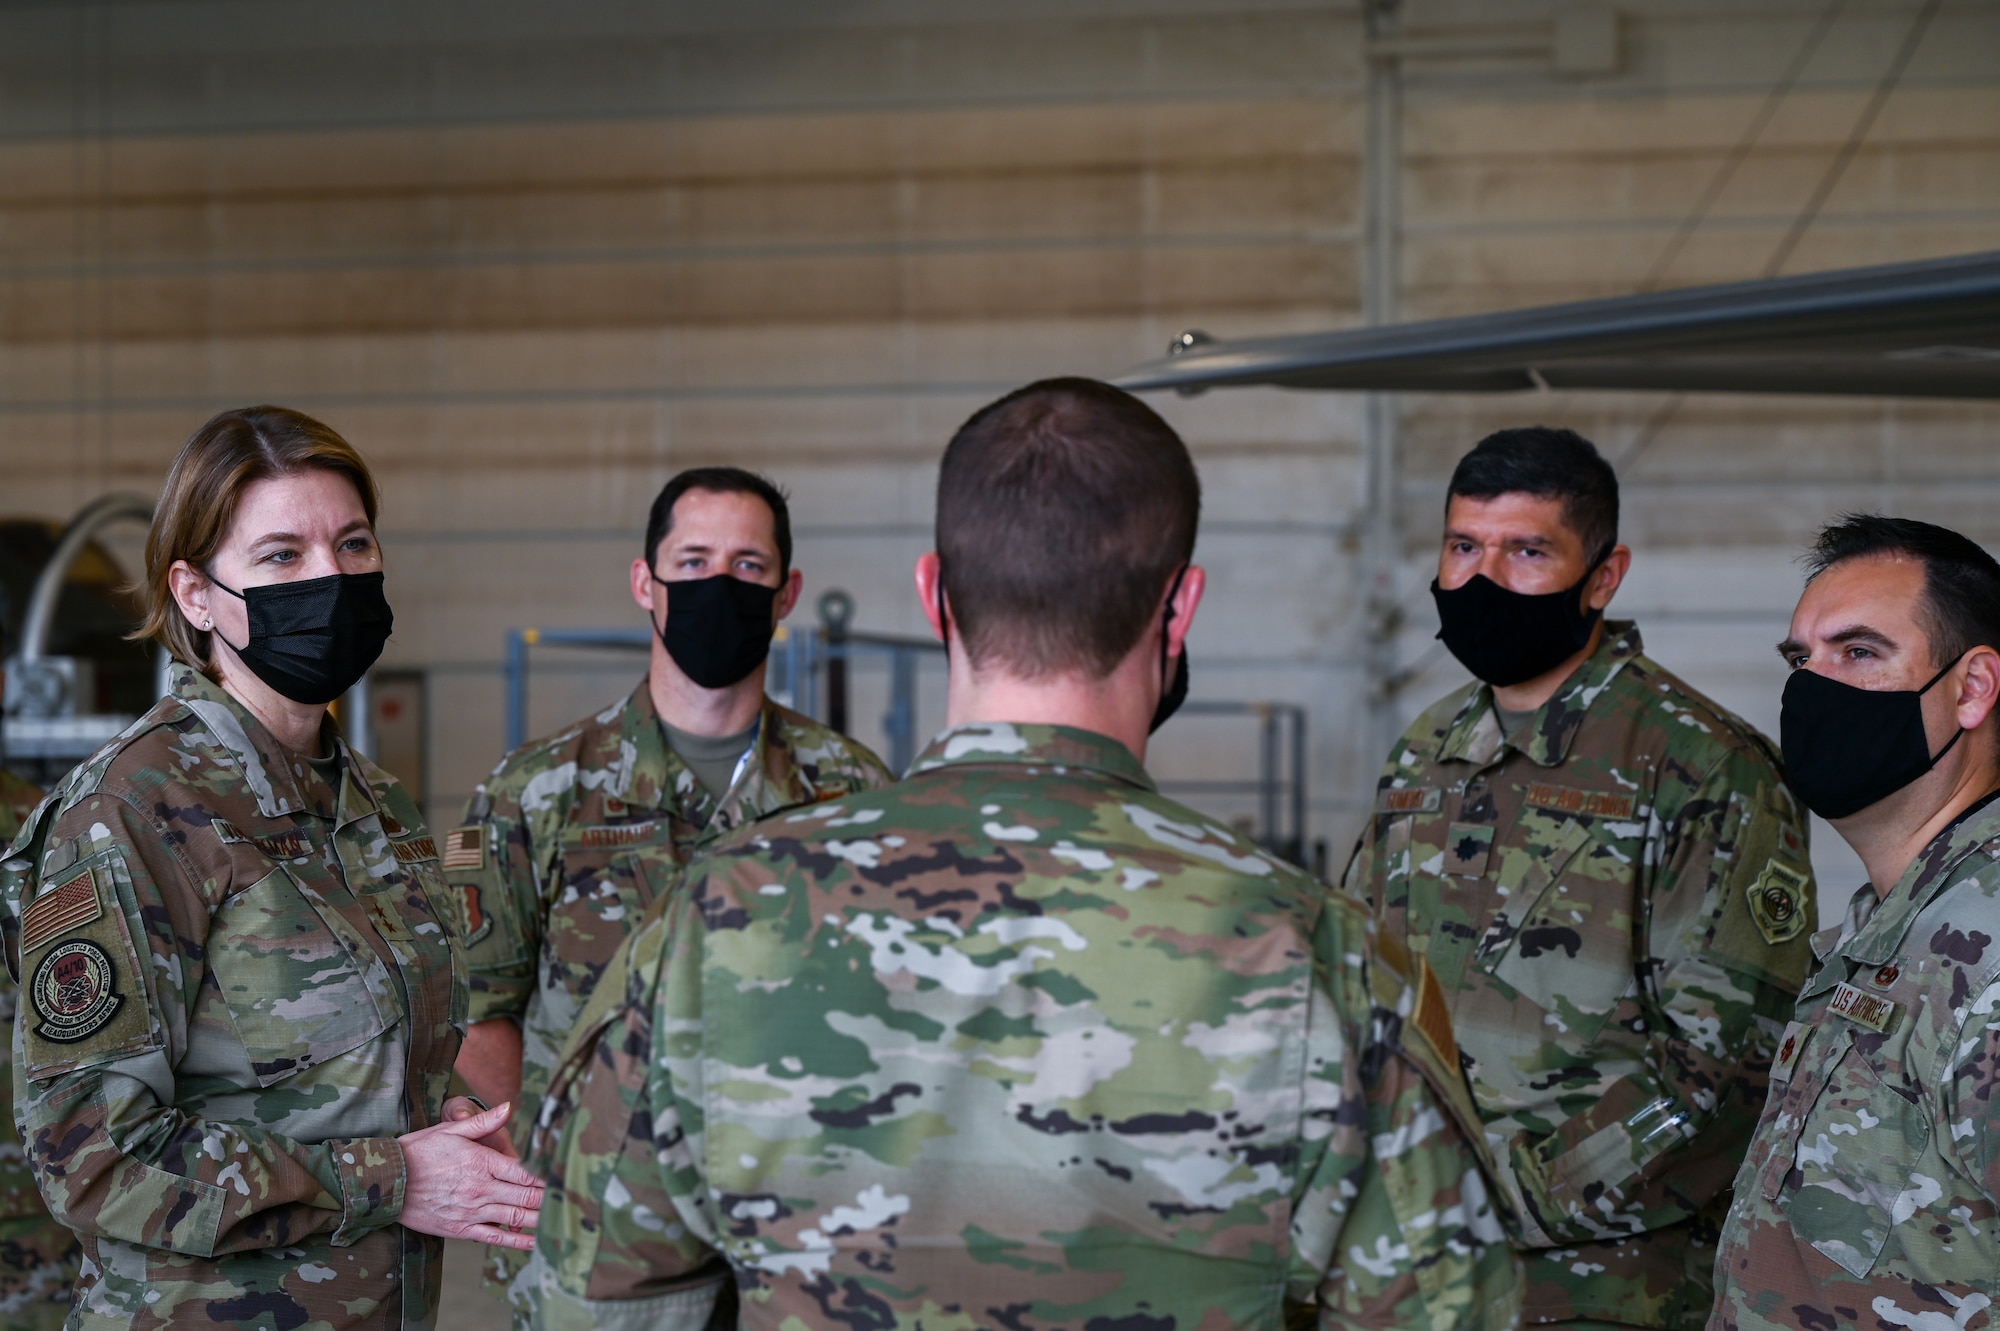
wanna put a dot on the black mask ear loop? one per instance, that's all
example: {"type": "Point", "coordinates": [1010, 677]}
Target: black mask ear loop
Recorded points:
{"type": "Point", "coordinates": [1949, 667]}
{"type": "Point", "coordinates": [216, 629]}
{"type": "Point", "coordinates": [1172, 592]}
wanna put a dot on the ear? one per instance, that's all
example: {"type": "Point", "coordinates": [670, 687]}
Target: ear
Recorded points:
{"type": "Point", "coordinates": [927, 574]}
{"type": "Point", "coordinates": [1609, 577]}
{"type": "Point", "coordinates": [1186, 598]}
{"type": "Point", "coordinates": [1979, 694]}
{"type": "Point", "coordinates": [788, 593]}
{"type": "Point", "coordinates": [642, 585]}
{"type": "Point", "coordinates": [191, 588]}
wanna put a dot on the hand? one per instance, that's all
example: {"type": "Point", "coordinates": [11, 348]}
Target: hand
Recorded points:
{"type": "Point", "coordinates": [459, 1189]}
{"type": "Point", "coordinates": [461, 1107]}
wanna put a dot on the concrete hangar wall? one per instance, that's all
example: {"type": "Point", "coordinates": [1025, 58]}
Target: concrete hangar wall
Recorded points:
{"type": "Point", "coordinates": [534, 258]}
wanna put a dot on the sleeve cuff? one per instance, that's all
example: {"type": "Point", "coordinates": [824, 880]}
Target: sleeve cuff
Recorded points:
{"type": "Point", "coordinates": [373, 1180]}
{"type": "Point", "coordinates": [492, 996]}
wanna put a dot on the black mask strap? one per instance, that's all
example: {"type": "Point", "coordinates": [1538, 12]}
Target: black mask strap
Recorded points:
{"type": "Point", "coordinates": [1960, 733]}
{"type": "Point", "coordinates": [1172, 592]}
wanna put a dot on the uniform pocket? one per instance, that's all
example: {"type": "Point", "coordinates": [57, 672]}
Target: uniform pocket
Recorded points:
{"type": "Point", "coordinates": [1563, 938]}
{"type": "Point", "coordinates": [1851, 1164]}
{"type": "Point", "coordinates": [301, 984]}
{"type": "Point", "coordinates": [604, 891]}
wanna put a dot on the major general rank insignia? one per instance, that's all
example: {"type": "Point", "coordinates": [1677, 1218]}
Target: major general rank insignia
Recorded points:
{"type": "Point", "coordinates": [1777, 902]}
{"type": "Point", "coordinates": [73, 993]}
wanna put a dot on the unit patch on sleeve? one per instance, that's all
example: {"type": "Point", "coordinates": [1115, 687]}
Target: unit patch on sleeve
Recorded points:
{"type": "Point", "coordinates": [1777, 903]}
{"type": "Point", "coordinates": [73, 992]}
{"type": "Point", "coordinates": [62, 908]}
{"type": "Point", "coordinates": [465, 847]}
{"type": "Point", "coordinates": [477, 923]}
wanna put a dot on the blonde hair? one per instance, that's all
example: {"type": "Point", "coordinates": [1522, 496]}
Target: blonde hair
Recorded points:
{"type": "Point", "coordinates": [191, 521]}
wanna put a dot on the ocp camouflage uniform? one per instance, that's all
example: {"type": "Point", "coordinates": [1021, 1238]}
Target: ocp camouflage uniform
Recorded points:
{"type": "Point", "coordinates": [1871, 1194]}
{"type": "Point", "coordinates": [572, 837]}
{"type": "Point", "coordinates": [237, 996]}
{"type": "Point", "coordinates": [1617, 902]}
{"type": "Point", "coordinates": [38, 1257]}
{"type": "Point", "coordinates": [1016, 1043]}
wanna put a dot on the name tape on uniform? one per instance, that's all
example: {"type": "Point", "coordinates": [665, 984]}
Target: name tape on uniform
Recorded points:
{"type": "Point", "coordinates": [1423, 799]}
{"type": "Point", "coordinates": [1589, 803]}
{"type": "Point", "coordinates": [415, 849]}
{"type": "Point", "coordinates": [1863, 1008]}
{"type": "Point", "coordinates": [625, 834]}
{"type": "Point", "coordinates": [60, 909]}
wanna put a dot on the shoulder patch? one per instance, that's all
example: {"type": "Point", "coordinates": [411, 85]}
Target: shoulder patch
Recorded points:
{"type": "Point", "coordinates": [74, 992]}
{"type": "Point", "coordinates": [465, 847]}
{"type": "Point", "coordinates": [1777, 903]}
{"type": "Point", "coordinates": [1587, 803]}
{"type": "Point", "coordinates": [62, 908]}
{"type": "Point", "coordinates": [1421, 799]}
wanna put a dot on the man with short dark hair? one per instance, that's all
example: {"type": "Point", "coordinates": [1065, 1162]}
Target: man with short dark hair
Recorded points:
{"type": "Point", "coordinates": [572, 837]}
{"type": "Point", "coordinates": [1019, 1042]}
{"type": "Point", "coordinates": [1610, 880]}
{"type": "Point", "coordinates": [1871, 1194]}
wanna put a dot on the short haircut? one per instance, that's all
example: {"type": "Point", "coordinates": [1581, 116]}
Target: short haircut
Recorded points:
{"type": "Point", "coordinates": [722, 481]}
{"type": "Point", "coordinates": [1961, 605]}
{"type": "Point", "coordinates": [1548, 463]}
{"type": "Point", "coordinates": [1063, 511]}
{"type": "Point", "coordinates": [198, 503]}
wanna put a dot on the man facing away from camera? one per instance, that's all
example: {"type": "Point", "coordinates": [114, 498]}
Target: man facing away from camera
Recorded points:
{"type": "Point", "coordinates": [1019, 1042]}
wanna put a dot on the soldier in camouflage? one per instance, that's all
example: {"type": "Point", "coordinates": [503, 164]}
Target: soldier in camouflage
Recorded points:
{"type": "Point", "coordinates": [1871, 1194]}
{"type": "Point", "coordinates": [1019, 1042]}
{"type": "Point", "coordinates": [239, 1005]}
{"type": "Point", "coordinates": [38, 1257]}
{"type": "Point", "coordinates": [1610, 881]}
{"type": "Point", "coordinates": [572, 837]}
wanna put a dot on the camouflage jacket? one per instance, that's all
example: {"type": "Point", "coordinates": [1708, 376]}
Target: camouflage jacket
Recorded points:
{"type": "Point", "coordinates": [1871, 1194]}
{"type": "Point", "coordinates": [1617, 901]}
{"type": "Point", "coordinates": [238, 994]}
{"type": "Point", "coordinates": [572, 837]}
{"type": "Point", "coordinates": [38, 1257]}
{"type": "Point", "coordinates": [18, 1198]}
{"type": "Point", "coordinates": [1017, 1043]}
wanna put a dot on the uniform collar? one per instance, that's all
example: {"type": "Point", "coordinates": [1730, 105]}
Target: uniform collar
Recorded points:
{"type": "Point", "coordinates": [1008, 743]}
{"type": "Point", "coordinates": [282, 783]}
{"type": "Point", "coordinates": [1975, 836]}
{"type": "Point", "coordinates": [1545, 737]}
{"type": "Point", "coordinates": [654, 777]}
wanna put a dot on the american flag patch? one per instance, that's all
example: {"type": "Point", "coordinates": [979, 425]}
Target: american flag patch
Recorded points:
{"type": "Point", "coordinates": [59, 910]}
{"type": "Point", "coordinates": [416, 848]}
{"type": "Point", "coordinates": [465, 847]}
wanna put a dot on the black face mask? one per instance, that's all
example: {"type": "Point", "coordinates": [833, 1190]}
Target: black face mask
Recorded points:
{"type": "Point", "coordinates": [718, 629]}
{"type": "Point", "coordinates": [1507, 637]}
{"type": "Point", "coordinates": [1176, 687]}
{"type": "Point", "coordinates": [1846, 748]}
{"type": "Point", "coordinates": [311, 640]}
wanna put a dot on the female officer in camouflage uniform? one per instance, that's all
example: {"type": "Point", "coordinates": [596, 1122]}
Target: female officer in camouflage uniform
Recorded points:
{"type": "Point", "coordinates": [238, 1010]}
